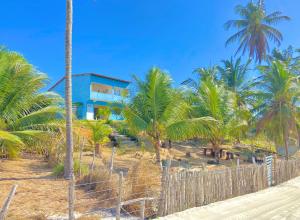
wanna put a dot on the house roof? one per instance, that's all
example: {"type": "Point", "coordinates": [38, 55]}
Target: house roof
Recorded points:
{"type": "Point", "coordinates": [89, 74]}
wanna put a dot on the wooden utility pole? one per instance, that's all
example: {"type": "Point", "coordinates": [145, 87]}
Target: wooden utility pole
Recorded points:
{"type": "Point", "coordinates": [68, 105]}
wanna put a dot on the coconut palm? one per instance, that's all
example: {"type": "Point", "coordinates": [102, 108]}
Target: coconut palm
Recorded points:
{"type": "Point", "coordinates": [99, 134]}
{"type": "Point", "coordinates": [279, 114]}
{"type": "Point", "coordinates": [213, 100]}
{"type": "Point", "coordinates": [68, 90]}
{"type": "Point", "coordinates": [255, 30]}
{"type": "Point", "coordinates": [25, 114]}
{"type": "Point", "coordinates": [160, 112]}
{"type": "Point", "coordinates": [208, 73]}
{"type": "Point", "coordinates": [289, 56]}
{"type": "Point", "coordinates": [234, 76]}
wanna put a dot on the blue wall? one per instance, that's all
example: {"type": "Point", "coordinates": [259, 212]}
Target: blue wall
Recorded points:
{"type": "Point", "coordinates": [81, 90]}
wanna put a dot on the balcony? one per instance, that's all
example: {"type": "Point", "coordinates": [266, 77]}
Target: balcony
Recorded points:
{"type": "Point", "coordinates": [105, 97]}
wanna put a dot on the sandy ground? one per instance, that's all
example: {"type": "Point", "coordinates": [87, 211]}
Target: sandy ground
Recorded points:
{"type": "Point", "coordinates": [280, 202]}
{"type": "Point", "coordinates": [38, 194]}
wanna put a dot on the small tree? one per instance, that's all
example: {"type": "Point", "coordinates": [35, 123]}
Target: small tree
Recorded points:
{"type": "Point", "coordinates": [103, 113]}
{"type": "Point", "coordinates": [99, 136]}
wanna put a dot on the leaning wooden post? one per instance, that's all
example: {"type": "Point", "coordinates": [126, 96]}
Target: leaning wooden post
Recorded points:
{"type": "Point", "coordinates": [7, 202]}
{"type": "Point", "coordinates": [111, 165]}
{"type": "Point", "coordinates": [92, 166]}
{"type": "Point", "coordinates": [80, 155]}
{"type": "Point", "coordinates": [142, 209]}
{"type": "Point", "coordinates": [119, 206]}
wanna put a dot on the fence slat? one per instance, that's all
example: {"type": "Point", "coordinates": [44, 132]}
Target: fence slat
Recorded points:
{"type": "Point", "coordinates": [7, 202]}
{"type": "Point", "coordinates": [189, 188]}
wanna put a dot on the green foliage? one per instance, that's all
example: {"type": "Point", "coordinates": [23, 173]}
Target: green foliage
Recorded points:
{"type": "Point", "coordinates": [100, 131]}
{"type": "Point", "coordinates": [161, 112]}
{"type": "Point", "coordinates": [123, 128]}
{"type": "Point", "coordinates": [25, 114]}
{"type": "Point", "coordinates": [103, 113]}
{"type": "Point", "coordinates": [255, 29]}
{"type": "Point", "coordinates": [58, 169]}
{"type": "Point", "coordinates": [278, 114]}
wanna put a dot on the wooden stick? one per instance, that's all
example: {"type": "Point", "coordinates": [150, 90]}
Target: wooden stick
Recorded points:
{"type": "Point", "coordinates": [119, 205]}
{"type": "Point", "coordinates": [111, 165]}
{"type": "Point", "coordinates": [80, 156]}
{"type": "Point", "coordinates": [7, 202]}
{"type": "Point", "coordinates": [142, 209]}
{"type": "Point", "coordinates": [92, 166]}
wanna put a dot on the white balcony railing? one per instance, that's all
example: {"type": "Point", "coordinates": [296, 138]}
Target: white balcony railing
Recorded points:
{"type": "Point", "coordinates": [98, 96]}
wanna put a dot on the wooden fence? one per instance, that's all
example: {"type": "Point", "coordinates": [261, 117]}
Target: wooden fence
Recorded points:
{"type": "Point", "coordinates": [191, 188]}
{"type": "Point", "coordinates": [188, 188]}
{"type": "Point", "coordinates": [285, 170]}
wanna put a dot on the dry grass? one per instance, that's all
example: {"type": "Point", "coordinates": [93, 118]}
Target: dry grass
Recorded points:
{"type": "Point", "coordinates": [101, 187]}
{"type": "Point", "coordinates": [143, 180]}
{"type": "Point", "coordinates": [39, 194]}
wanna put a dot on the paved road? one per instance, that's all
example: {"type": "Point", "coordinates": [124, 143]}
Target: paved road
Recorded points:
{"type": "Point", "coordinates": [280, 202]}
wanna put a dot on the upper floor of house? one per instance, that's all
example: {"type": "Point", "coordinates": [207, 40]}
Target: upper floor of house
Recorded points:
{"type": "Point", "coordinates": [94, 87]}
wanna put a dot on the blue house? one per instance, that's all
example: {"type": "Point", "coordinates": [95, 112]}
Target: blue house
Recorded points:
{"type": "Point", "coordinates": [92, 91]}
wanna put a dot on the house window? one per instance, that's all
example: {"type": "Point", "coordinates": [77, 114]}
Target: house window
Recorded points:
{"type": "Point", "coordinates": [101, 88]}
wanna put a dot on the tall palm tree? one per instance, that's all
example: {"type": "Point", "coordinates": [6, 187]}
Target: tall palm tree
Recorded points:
{"type": "Point", "coordinates": [279, 114]}
{"type": "Point", "coordinates": [255, 30]}
{"type": "Point", "coordinates": [25, 114]}
{"type": "Point", "coordinates": [68, 90]}
{"type": "Point", "coordinates": [160, 112]}
{"type": "Point", "coordinates": [289, 56]}
{"type": "Point", "coordinates": [234, 76]}
{"type": "Point", "coordinates": [261, 4]}
{"type": "Point", "coordinates": [208, 73]}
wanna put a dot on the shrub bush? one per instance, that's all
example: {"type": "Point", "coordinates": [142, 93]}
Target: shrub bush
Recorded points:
{"type": "Point", "coordinates": [58, 169]}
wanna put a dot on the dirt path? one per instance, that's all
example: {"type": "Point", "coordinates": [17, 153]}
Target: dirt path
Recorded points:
{"type": "Point", "coordinates": [280, 202]}
{"type": "Point", "coordinates": [39, 193]}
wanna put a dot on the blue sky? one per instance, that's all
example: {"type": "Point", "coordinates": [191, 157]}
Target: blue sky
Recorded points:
{"type": "Point", "coordinates": [124, 37]}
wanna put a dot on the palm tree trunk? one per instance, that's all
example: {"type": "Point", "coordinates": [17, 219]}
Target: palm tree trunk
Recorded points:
{"type": "Point", "coordinates": [68, 90]}
{"type": "Point", "coordinates": [97, 149]}
{"type": "Point", "coordinates": [298, 134]}
{"type": "Point", "coordinates": [157, 150]}
{"type": "Point", "coordinates": [286, 143]}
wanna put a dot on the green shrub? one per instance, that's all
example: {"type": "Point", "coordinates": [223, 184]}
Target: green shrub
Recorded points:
{"type": "Point", "coordinates": [58, 169]}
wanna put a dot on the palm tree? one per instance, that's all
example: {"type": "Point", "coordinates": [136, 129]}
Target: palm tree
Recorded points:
{"type": "Point", "coordinates": [160, 112]}
{"type": "Point", "coordinates": [212, 100]}
{"type": "Point", "coordinates": [208, 73]}
{"type": "Point", "coordinates": [68, 90]}
{"type": "Point", "coordinates": [100, 132]}
{"type": "Point", "coordinates": [288, 56]}
{"type": "Point", "coordinates": [279, 114]}
{"type": "Point", "coordinates": [234, 76]}
{"type": "Point", "coordinates": [25, 114]}
{"type": "Point", "coordinates": [255, 29]}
